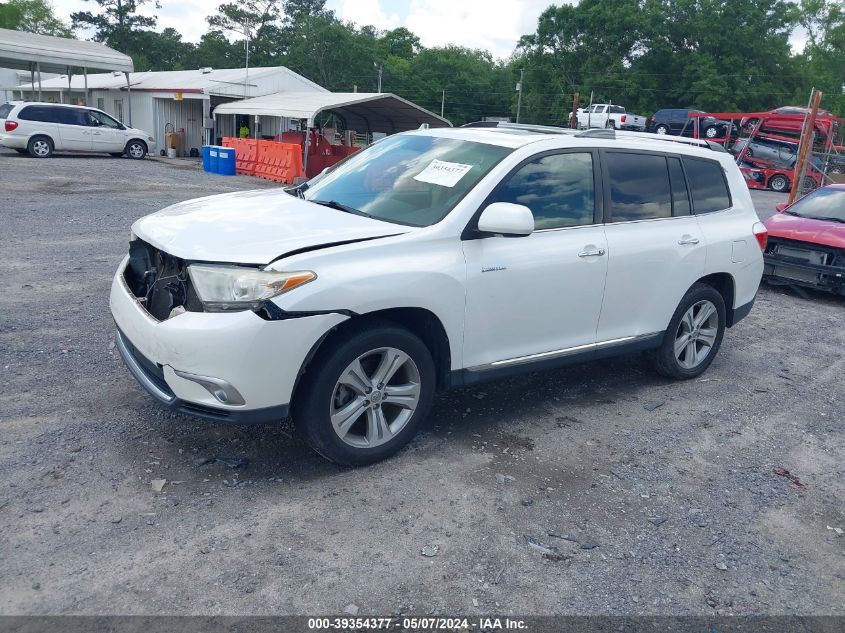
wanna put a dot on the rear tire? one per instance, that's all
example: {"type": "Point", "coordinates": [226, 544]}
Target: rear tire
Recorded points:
{"type": "Point", "coordinates": [694, 335]}
{"type": "Point", "coordinates": [345, 408]}
{"type": "Point", "coordinates": [661, 129]}
{"type": "Point", "coordinates": [40, 147]}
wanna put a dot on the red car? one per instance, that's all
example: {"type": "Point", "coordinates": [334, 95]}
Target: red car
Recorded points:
{"type": "Point", "coordinates": [790, 120]}
{"type": "Point", "coordinates": [807, 241]}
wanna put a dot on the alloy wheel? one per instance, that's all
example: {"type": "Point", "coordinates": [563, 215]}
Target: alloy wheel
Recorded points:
{"type": "Point", "coordinates": [696, 334]}
{"type": "Point", "coordinates": [136, 151]}
{"type": "Point", "coordinates": [375, 397]}
{"type": "Point", "coordinates": [41, 148]}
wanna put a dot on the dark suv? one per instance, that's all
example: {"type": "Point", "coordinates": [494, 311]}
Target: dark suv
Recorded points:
{"type": "Point", "coordinates": [679, 123]}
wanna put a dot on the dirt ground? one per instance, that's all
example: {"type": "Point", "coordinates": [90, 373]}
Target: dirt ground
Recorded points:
{"type": "Point", "coordinates": [594, 489]}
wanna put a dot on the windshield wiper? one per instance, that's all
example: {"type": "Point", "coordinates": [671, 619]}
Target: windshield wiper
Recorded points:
{"type": "Point", "coordinates": [797, 215]}
{"type": "Point", "coordinates": [334, 204]}
{"type": "Point", "coordinates": [830, 220]}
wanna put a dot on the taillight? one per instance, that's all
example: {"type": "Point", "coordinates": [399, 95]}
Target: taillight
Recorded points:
{"type": "Point", "coordinates": [11, 125]}
{"type": "Point", "coordinates": [623, 118]}
{"type": "Point", "coordinates": [761, 234]}
{"type": "Point", "coordinates": [653, 118]}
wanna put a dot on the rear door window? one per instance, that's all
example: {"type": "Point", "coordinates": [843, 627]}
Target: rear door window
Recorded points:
{"type": "Point", "coordinates": [72, 116]}
{"type": "Point", "coordinates": [707, 185]}
{"type": "Point", "coordinates": [558, 188]}
{"type": "Point", "coordinates": [639, 186]}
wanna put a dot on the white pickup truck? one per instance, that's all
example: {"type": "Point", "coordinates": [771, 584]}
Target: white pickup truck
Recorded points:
{"type": "Point", "coordinates": [610, 116]}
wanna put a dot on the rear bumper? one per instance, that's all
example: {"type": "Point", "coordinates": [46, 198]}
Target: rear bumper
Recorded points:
{"type": "Point", "coordinates": [13, 141]}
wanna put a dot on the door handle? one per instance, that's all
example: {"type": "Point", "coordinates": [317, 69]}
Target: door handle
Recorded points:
{"type": "Point", "coordinates": [688, 240]}
{"type": "Point", "coordinates": [597, 252]}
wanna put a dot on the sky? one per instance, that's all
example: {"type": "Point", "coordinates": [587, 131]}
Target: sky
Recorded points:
{"type": "Point", "coordinates": [494, 26]}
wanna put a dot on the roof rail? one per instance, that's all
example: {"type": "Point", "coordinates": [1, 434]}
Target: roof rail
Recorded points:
{"type": "Point", "coordinates": [597, 133]}
{"type": "Point", "coordinates": [523, 127]}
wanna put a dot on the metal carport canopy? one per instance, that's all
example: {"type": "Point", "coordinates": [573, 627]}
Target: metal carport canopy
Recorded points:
{"type": "Point", "coordinates": [373, 112]}
{"type": "Point", "coordinates": [24, 51]}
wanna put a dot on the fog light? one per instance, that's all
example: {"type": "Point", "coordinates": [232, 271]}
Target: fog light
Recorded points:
{"type": "Point", "coordinates": [222, 391]}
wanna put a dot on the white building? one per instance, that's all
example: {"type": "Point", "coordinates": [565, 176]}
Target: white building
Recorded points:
{"type": "Point", "coordinates": [162, 102]}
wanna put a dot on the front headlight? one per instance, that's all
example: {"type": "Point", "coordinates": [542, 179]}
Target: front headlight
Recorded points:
{"type": "Point", "coordinates": [232, 288]}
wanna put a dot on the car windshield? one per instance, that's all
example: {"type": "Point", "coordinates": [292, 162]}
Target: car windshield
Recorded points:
{"type": "Point", "coordinates": [822, 204]}
{"type": "Point", "coordinates": [408, 179]}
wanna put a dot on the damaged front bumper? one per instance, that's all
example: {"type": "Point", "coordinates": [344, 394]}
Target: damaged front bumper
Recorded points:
{"type": "Point", "coordinates": [235, 367]}
{"type": "Point", "coordinates": [806, 273]}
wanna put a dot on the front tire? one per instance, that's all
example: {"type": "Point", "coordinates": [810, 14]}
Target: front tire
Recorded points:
{"type": "Point", "coordinates": [694, 335]}
{"type": "Point", "coordinates": [136, 150]}
{"type": "Point", "coordinates": [779, 183]}
{"type": "Point", "coordinates": [364, 395]}
{"type": "Point", "coordinates": [40, 147]}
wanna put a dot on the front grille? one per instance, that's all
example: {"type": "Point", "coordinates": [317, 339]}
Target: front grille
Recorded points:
{"type": "Point", "coordinates": [159, 280]}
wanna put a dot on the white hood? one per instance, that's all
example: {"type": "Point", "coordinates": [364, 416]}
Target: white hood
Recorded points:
{"type": "Point", "coordinates": [253, 227]}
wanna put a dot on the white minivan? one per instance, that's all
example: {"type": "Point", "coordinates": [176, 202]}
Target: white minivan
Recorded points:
{"type": "Point", "coordinates": [39, 129]}
{"type": "Point", "coordinates": [433, 259]}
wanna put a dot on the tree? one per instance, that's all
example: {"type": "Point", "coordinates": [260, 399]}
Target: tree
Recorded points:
{"type": "Point", "coordinates": [117, 22]}
{"type": "Point", "coordinates": [33, 16]}
{"type": "Point", "coordinates": [255, 21]}
{"type": "Point", "coordinates": [651, 54]}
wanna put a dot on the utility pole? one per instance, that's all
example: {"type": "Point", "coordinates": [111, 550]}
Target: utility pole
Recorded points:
{"type": "Point", "coordinates": [247, 32]}
{"type": "Point", "coordinates": [519, 89]}
{"type": "Point", "coordinates": [380, 70]}
{"type": "Point", "coordinates": [442, 103]}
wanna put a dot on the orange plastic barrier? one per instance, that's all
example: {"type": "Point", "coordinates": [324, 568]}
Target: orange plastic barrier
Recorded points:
{"type": "Point", "coordinates": [279, 162]}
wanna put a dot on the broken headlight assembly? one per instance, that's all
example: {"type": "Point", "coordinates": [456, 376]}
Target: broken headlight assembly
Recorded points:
{"type": "Point", "coordinates": [235, 288]}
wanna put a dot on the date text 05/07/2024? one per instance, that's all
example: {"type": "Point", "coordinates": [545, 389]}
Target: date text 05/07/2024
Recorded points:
{"type": "Point", "coordinates": [416, 624]}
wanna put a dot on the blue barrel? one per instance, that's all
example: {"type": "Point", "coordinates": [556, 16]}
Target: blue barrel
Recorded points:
{"type": "Point", "coordinates": [206, 158]}
{"type": "Point", "coordinates": [227, 164]}
{"type": "Point", "coordinates": [213, 159]}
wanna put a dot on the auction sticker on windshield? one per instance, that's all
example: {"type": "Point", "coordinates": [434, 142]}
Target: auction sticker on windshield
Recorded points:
{"type": "Point", "coordinates": [445, 174]}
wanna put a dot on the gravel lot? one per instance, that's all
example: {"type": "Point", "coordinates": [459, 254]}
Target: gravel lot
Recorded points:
{"type": "Point", "coordinates": [595, 489]}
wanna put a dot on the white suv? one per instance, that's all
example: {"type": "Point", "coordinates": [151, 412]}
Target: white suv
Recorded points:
{"type": "Point", "coordinates": [433, 259]}
{"type": "Point", "coordinates": [39, 129]}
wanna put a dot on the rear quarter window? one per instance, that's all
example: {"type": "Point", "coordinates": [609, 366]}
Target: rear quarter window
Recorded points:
{"type": "Point", "coordinates": [45, 114]}
{"type": "Point", "coordinates": [707, 185]}
{"type": "Point", "coordinates": [5, 109]}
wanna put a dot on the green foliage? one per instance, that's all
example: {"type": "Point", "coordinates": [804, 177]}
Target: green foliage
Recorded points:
{"type": "Point", "coordinates": [651, 54]}
{"type": "Point", "coordinates": [644, 54]}
{"type": "Point", "coordinates": [34, 16]}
